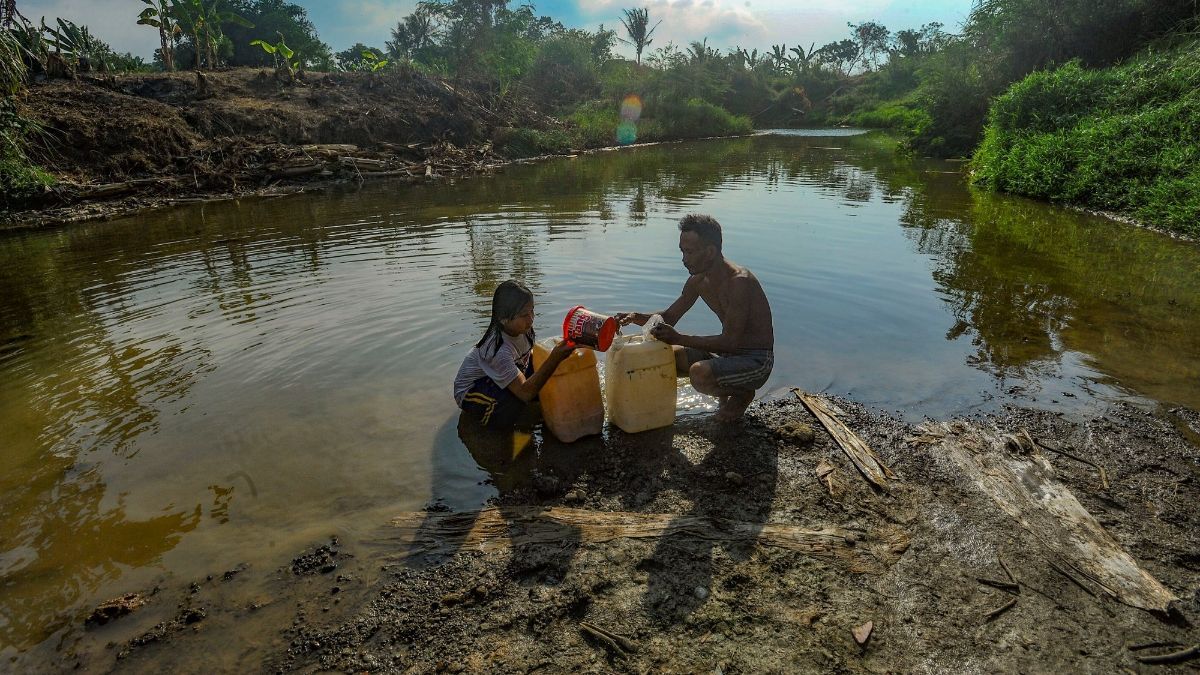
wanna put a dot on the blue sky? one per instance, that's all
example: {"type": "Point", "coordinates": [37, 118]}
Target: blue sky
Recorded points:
{"type": "Point", "coordinates": [748, 23]}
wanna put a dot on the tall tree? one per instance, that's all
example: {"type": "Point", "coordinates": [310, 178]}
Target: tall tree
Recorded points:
{"type": "Point", "coordinates": [414, 35]}
{"type": "Point", "coordinates": [274, 20]}
{"type": "Point", "coordinates": [158, 15]}
{"type": "Point", "coordinates": [637, 26]}
{"type": "Point", "coordinates": [872, 40]}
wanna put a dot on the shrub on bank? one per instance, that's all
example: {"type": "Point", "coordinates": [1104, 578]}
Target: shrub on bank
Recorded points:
{"type": "Point", "coordinates": [902, 116]}
{"type": "Point", "coordinates": [697, 118]}
{"type": "Point", "coordinates": [1125, 139]}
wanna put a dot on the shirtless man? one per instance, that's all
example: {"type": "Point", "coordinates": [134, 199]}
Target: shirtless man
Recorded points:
{"type": "Point", "coordinates": [733, 364]}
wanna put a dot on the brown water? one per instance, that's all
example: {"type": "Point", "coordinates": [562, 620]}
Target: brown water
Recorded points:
{"type": "Point", "coordinates": [190, 389]}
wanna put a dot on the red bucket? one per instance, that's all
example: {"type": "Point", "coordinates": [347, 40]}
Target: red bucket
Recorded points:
{"type": "Point", "coordinates": [589, 328]}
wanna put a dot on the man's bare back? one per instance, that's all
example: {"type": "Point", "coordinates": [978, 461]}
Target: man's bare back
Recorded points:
{"type": "Point", "coordinates": [722, 293]}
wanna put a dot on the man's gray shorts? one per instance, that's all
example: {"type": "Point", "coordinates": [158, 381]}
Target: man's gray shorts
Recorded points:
{"type": "Point", "coordinates": [743, 369]}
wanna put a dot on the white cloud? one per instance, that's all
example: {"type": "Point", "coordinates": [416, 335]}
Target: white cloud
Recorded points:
{"type": "Point", "coordinates": [751, 24]}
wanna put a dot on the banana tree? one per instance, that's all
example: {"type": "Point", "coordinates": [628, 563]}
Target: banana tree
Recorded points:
{"type": "Point", "coordinates": [202, 21]}
{"type": "Point", "coordinates": [285, 66]}
{"type": "Point", "coordinates": [158, 15]}
{"type": "Point", "coordinates": [802, 59]}
{"type": "Point", "coordinates": [76, 42]}
{"type": "Point", "coordinates": [778, 55]}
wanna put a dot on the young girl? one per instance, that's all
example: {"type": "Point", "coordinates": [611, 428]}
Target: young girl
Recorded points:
{"type": "Point", "coordinates": [497, 379]}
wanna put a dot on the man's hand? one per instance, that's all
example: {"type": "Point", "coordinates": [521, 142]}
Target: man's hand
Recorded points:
{"type": "Point", "coordinates": [626, 318]}
{"type": "Point", "coordinates": [665, 332]}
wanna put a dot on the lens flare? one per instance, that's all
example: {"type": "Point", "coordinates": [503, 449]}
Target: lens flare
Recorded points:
{"type": "Point", "coordinates": [626, 133]}
{"type": "Point", "coordinates": [631, 108]}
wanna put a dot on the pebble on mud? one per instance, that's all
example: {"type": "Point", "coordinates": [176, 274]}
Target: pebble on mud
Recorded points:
{"type": "Point", "coordinates": [798, 433]}
{"type": "Point", "coordinates": [701, 593]}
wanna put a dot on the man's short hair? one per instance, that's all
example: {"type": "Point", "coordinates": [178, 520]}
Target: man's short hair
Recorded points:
{"type": "Point", "coordinates": [705, 227]}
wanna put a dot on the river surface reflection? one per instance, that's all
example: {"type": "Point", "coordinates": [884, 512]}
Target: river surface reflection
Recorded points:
{"type": "Point", "coordinates": [190, 389]}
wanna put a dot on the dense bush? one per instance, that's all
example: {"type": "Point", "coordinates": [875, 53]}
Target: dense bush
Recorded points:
{"type": "Point", "coordinates": [696, 118]}
{"type": "Point", "coordinates": [1125, 139]}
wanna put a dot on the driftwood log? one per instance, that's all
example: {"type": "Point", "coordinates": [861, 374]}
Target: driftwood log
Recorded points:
{"type": "Point", "coordinates": [492, 529]}
{"type": "Point", "coordinates": [869, 465]}
{"type": "Point", "coordinates": [1023, 484]}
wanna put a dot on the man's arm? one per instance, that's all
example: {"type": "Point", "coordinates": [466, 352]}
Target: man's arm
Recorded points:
{"type": "Point", "coordinates": [733, 324]}
{"type": "Point", "coordinates": [670, 315]}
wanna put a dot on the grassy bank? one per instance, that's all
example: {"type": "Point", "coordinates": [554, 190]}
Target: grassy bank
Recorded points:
{"type": "Point", "coordinates": [19, 178]}
{"type": "Point", "coordinates": [1123, 139]}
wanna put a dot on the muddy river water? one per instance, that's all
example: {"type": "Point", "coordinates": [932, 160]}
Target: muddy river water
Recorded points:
{"type": "Point", "coordinates": [190, 389]}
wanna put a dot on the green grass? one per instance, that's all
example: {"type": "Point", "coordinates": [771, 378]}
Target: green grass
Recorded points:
{"type": "Point", "coordinates": [903, 116]}
{"type": "Point", "coordinates": [1125, 139]}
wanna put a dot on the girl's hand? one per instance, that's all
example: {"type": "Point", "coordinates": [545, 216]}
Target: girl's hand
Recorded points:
{"type": "Point", "coordinates": [626, 318]}
{"type": "Point", "coordinates": [562, 350]}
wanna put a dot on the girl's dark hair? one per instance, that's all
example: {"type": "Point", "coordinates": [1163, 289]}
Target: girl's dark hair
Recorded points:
{"type": "Point", "coordinates": [508, 300]}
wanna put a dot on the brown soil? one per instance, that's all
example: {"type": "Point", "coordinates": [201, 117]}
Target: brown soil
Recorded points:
{"type": "Point", "coordinates": [687, 603]}
{"type": "Point", "coordinates": [118, 143]}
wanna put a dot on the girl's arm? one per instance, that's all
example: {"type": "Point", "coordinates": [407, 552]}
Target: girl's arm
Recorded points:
{"type": "Point", "coordinates": [527, 389]}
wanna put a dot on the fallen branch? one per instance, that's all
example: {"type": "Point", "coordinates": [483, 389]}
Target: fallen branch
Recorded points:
{"type": "Point", "coordinates": [863, 457]}
{"type": "Point", "coordinates": [1007, 587]}
{"type": "Point", "coordinates": [293, 171]}
{"type": "Point", "coordinates": [1000, 610]}
{"type": "Point", "coordinates": [1044, 446]}
{"type": "Point", "coordinates": [1007, 572]}
{"type": "Point", "coordinates": [1174, 657]}
{"type": "Point", "coordinates": [603, 639]}
{"type": "Point", "coordinates": [620, 643]}
{"type": "Point", "coordinates": [1151, 645]}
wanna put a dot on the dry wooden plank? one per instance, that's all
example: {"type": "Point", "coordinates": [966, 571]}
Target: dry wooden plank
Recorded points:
{"type": "Point", "coordinates": [493, 529]}
{"type": "Point", "coordinates": [869, 465]}
{"type": "Point", "coordinates": [363, 162]}
{"type": "Point", "coordinates": [1024, 486]}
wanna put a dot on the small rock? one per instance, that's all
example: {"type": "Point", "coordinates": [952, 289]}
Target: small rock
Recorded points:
{"type": "Point", "coordinates": [735, 478]}
{"type": "Point", "coordinates": [572, 497]}
{"type": "Point", "coordinates": [797, 433]}
{"type": "Point", "coordinates": [701, 593]}
{"type": "Point", "coordinates": [114, 609]}
{"type": "Point", "coordinates": [863, 633]}
{"type": "Point", "coordinates": [193, 615]}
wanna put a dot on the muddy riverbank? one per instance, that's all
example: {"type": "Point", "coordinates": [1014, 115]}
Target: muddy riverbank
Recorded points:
{"type": "Point", "coordinates": [121, 143]}
{"type": "Point", "coordinates": [779, 553]}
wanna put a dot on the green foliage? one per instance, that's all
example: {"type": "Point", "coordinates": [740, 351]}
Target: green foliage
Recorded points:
{"type": "Point", "coordinates": [359, 58]}
{"type": "Point", "coordinates": [202, 24]}
{"type": "Point", "coordinates": [638, 28]}
{"type": "Point", "coordinates": [594, 125]}
{"type": "Point", "coordinates": [697, 118]}
{"type": "Point", "coordinates": [516, 143]}
{"type": "Point", "coordinates": [1124, 139]}
{"type": "Point", "coordinates": [12, 65]}
{"type": "Point", "coordinates": [905, 116]}
{"type": "Point", "coordinates": [566, 68]}
{"type": "Point", "coordinates": [20, 180]}
{"type": "Point", "coordinates": [275, 17]}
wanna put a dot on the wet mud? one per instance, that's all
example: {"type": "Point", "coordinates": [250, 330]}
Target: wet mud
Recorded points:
{"type": "Point", "coordinates": [950, 582]}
